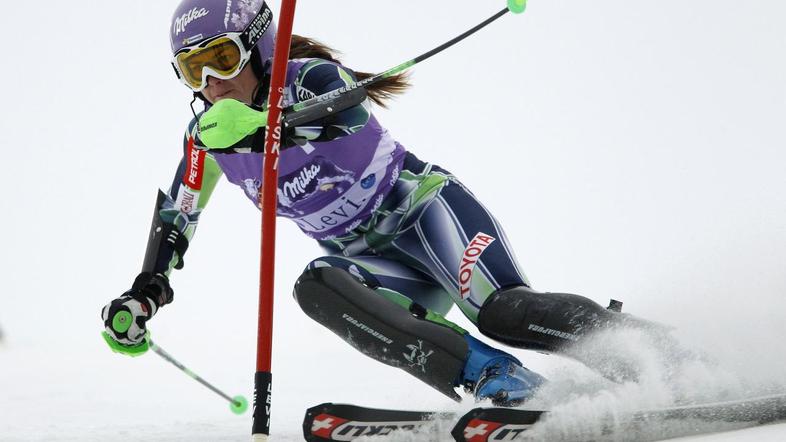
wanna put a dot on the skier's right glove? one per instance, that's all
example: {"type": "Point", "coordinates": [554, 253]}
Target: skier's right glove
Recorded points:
{"type": "Point", "coordinates": [125, 317]}
{"type": "Point", "coordinates": [230, 125]}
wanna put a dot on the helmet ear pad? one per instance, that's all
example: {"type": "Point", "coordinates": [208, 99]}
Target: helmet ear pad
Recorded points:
{"type": "Point", "coordinates": [257, 64]}
{"type": "Point", "coordinates": [260, 68]}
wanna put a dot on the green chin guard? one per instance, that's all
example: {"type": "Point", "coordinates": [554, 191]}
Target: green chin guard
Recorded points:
{"type": "Point", "coordinates": [227, 122]}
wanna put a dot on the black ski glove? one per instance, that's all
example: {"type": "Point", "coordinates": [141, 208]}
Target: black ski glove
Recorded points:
{"type": "Point", "coordinates": [125, 317]}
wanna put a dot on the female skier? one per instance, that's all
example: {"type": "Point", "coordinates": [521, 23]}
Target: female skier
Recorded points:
{"type": "Point", "coordinates": [406, 239]}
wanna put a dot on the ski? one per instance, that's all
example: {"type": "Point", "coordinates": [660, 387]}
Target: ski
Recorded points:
{"type": "Point", "coordinates": [494, 424]}
{"type": "Point", "coordinates": [506, 424]}
{"type": "Point", "coordinates": [340, 422]}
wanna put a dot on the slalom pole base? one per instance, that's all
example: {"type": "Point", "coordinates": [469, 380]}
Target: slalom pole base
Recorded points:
{"type": "Point", "coordinates": [263, 386]}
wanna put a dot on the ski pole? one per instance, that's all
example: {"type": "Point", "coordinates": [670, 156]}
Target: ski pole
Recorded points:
{"type": "Point", "coordinates": [353, 94]}
{"type": "Point", "coordinates": [237, 404]}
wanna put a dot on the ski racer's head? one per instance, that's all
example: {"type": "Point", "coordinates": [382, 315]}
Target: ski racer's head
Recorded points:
{"type": "Point", "coordinates": [220, 47]}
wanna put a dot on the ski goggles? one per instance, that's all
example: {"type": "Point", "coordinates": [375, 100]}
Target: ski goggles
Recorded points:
{"type": "Point", "coordinates": [223, 57]}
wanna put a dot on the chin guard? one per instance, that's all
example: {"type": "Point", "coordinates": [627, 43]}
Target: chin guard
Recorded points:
{"type": "Point", "coordinates": [164, 241]}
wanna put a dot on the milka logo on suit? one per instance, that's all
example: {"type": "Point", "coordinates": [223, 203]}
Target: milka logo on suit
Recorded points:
{"type": "Point", "coordinates": [183, 21]}
{"type": "Point", "coordinates": [299, 184]}
{"type": "Point", "coordinates": [319, 175]}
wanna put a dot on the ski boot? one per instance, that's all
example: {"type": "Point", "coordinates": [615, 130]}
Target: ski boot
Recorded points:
{"type": "Point", "coordinates": [493, 374]}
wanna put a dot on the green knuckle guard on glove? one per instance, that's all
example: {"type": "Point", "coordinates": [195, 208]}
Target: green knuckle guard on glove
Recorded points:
{"type": "Point", "coordinates": [227, 122]}
{"type": "Point", "coordinates": [125, 317]}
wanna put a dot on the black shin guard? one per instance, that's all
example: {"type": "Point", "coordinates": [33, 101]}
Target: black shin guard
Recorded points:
{"type": "Point", "coordinates": [522, 317]}
{"type": "Point", "coordinates": [559, 322]}
{"type": "Point", "coordinates": [382, 329]}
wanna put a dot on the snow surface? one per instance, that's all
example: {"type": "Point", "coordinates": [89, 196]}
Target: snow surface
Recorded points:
{"type": "Point", "coordinates": [632, 151]}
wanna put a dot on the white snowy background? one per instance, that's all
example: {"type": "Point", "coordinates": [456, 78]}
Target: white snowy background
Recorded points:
{"type": "Point", "coordinates": [633, 150]}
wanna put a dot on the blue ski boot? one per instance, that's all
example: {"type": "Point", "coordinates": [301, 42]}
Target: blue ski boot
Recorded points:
{"type": "Point", "coordinates": [493, 374]}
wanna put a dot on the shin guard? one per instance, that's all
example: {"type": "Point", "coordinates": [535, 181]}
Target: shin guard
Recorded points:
{"type": "Point", "coordinates": [382, 329]}
{"type": "Point", "coordinates": [560, 322]}
{"type": "Point", "coordinates": [522, 317]}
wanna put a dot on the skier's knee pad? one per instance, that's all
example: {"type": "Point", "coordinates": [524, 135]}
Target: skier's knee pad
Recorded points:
{"type": "Point", "coordinates": [522, 317]}
{"type": "Point", "coordinates": [382, 329]}
{"type": "Point", "coordinates": [347, 264]}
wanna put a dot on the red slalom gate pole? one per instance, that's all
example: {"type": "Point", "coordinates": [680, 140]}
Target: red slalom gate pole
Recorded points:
{"type": "Point", "coordinates": [260, 428]}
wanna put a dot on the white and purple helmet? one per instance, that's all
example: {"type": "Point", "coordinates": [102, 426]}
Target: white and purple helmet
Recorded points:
{"type": "Point", "coordinates": [198, 20]}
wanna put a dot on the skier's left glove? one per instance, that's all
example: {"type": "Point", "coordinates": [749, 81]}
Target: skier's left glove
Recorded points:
{"type": "Point", "coordinates": [125, 318]}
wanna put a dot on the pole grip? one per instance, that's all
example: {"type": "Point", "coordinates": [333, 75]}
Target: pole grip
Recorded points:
{"type": "Point", "coordinates": [330, 105]}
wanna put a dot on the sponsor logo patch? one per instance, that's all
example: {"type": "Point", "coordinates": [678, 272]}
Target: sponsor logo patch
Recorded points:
{"type": "Point", "coordinates": [251, 187]}
{"type": "Point", "coordinates": [195, 166]}
{"type": "Point", "coordinates": [367, 329]}
{"type": "Point", "coordinates": [552, 332]}
{"type": "Point", "coordinates": [478, 430]}
{"type": "Point", "coordinates": [319, 175]}
{"type": "Point", "coordinates": [183, 21]}
{"type": "Point", "coordinates": [193, 39]}
{"type": "Point", "coordinates": [187, 200]}
{"type": "Point", "coordinates": [417, 356]}
{"type": "Point", "coordinates": [227, 14]}
{"type": "Point", "coordinates": [304, 94]}
{"type": "Point", "coordinates": [260, 24]}
{"type": "Point", "coordinates": [324, 424]}
{"type": "Point", "coordinates": [368, 181]}
{"type": "Point", "coordinates": [334, 428]}
{"type": "Point", "coordinates": [467, 265]}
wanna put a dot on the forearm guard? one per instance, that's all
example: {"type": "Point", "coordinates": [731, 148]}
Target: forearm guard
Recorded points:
{"type": "Point", "coordinates": [165, 242]}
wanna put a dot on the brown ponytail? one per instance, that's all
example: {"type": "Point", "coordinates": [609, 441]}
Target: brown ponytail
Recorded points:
{"type": "Point", "coordinates": [379, 92]}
